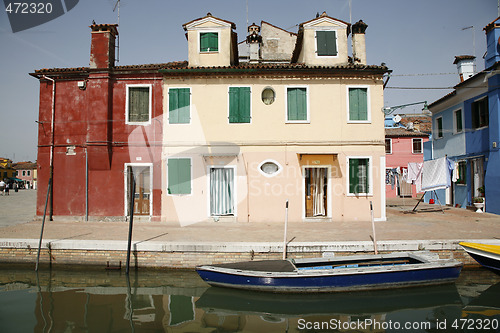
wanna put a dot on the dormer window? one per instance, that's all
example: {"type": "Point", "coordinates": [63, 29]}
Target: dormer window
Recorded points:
{"type": "Point", "coordinates": [326, 43]}
{"type": "Point", "coordinates": [209, 42]}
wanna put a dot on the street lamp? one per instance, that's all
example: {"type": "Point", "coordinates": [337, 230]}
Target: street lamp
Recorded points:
{"type": "Point", "coordinates": [390, 109]}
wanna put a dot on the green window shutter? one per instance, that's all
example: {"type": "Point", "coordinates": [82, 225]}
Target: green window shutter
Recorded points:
{"type": "Point", "coordinates": [358, 175]}
{"type": "Point", "coordinates": [209, 42]}
{"type": "Point", "coordinates": [179, 176]}
{"type": "Point", "coordinates": [358, 104]}
{"type": "Point", "coordinates": [239, 104]}
{"type": "Point", "coordinates": [326, 43]}
{"type": "Point", "coordinates": [178, 106]}
{"type": "Point", "coordinates": [297, 104]}
{"type": "Point", "coordinates": [353, 176]}
{"type": "Point", "coordinates": [138, 104]}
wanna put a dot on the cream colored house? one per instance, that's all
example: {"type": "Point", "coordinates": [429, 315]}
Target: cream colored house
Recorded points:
{"type": "Point", "coordinates": [240, 139]}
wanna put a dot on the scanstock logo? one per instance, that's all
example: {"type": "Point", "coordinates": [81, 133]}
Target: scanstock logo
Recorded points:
{"type": "Point", "coordinates": [26, 15]}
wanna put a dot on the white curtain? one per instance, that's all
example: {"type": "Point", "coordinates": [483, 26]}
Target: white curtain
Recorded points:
{"type": "Point", "coordinates": [221, 191]}
{"type": "Point", "coordinates": [318, 176]}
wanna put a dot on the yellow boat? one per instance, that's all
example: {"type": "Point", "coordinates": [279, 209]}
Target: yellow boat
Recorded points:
{"type": "Point", "coordinates": [486, 254]}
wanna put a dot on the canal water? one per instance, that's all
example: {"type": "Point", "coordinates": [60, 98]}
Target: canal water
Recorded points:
{"type": "Point", "coordinates": [97, 300]}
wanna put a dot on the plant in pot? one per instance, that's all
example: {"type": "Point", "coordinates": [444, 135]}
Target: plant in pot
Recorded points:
{"type": "Point", "coordinates": [478, 203]}
{"type": "Point", "coordinates": [481, 191]}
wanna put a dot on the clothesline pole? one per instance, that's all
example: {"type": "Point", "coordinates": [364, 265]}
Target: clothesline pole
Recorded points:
{"type": "Point", "coordinates": [419, 201]}
{"type": "Point", "coordinates": [441, 206]}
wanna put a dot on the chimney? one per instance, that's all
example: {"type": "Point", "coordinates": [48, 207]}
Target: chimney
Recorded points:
{"type": "Point", "coordinates": [492, 31]}
{"type": "Point", "coordinates": [465, 66]}
{"type": "Point", "coordinates": [254, 39]}
{"type": "Point", "coordinates": [102, 45]}
{"type": "Point", "coordinates": [358, 42]}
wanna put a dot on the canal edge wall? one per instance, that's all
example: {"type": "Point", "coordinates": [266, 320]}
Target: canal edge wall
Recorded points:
{"type": "Point", "coordinates": [187, 255]}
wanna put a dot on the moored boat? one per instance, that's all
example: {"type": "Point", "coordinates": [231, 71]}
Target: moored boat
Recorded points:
{"type": "Point", "coordinates": [360, 272]}
{"type": "Point", "coordinates": [486, 254]}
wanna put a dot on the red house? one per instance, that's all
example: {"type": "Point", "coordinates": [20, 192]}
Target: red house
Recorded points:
{"type": "Point", "coordinates": [103, 123]}
{"type": "Point", "coordinates": [402, 146]}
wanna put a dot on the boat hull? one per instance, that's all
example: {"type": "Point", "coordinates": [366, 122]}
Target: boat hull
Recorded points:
{"type": "Point", "coordinates": [332, 280]}
{"type": "Point", "coordinates": [486, 255]}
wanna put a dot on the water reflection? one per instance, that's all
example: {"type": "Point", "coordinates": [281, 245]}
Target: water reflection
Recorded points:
{"type": "Point", "coordinates": [178, 301]}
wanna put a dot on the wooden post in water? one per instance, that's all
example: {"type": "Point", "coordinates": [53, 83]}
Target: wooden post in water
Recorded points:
{"type": "Point", "coordinates": [373, 229]}
{"type": "Point", "coordinates": [132, 197]}
{"type": "Point", "coordinates": [286, 226]}
{"type": "Point", "coordinates": [43, 224]}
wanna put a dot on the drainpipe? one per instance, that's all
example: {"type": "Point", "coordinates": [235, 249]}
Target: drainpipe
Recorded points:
{"type": "Point", "coordinates": [51, 157]}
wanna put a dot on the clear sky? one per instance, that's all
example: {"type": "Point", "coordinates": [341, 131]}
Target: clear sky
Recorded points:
{"type": "Point", "coordinates": [417, 39]}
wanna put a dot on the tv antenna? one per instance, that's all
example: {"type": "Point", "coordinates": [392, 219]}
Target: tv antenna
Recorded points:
{"type": "Point", "coordinates": [117, 7]}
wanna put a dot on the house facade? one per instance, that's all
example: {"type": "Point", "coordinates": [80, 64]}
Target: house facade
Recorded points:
{"type": "Point", "coordinates": [466, 129]}
{"type": "Point", "coordinates": [99, 125]}
{"type": "Point", "coordinates": [253, 135]}
{"type": "Point", "coordinates": [6, 169]}
{"type": "Point", "coordinates": [216, 139]}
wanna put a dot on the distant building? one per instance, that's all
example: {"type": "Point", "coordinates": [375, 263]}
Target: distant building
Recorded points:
{"type": "Point", "coordinates": [7, 172]}
{"type": "Point", "coordinates": [27, 172]}
{"type": "Point", "coordinates": [466, 128]}
{"type": "Point", "coordinates": [403, 146]}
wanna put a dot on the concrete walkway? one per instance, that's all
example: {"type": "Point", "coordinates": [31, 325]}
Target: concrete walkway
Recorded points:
{"type": "Point", "coordinates": [428, 223]}
{"type": "Point", "coordinates": [428, 228]}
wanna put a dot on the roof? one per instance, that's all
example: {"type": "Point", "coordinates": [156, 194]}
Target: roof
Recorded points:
{"type": "Point", "coordinates": [400, 131]}
{"type": "Point", "coordinates": [182, 67]}
{"type": "Point", "coordinates": [86, 70]}
{"type": "Point", "coordinates": [423, 122]}
{"type": "Point", "coordinates": [464, 83]}
{"type": "Point", "coordinates": [463, 57]}
{"type": "Point", "coordinates": [492, 25]}
{"type": "Point", "coordinates": [24, 166]}
{"type": "Point", "coordinates": [209, 16]}
{"type": "Point", "coordinates": [272, 25]}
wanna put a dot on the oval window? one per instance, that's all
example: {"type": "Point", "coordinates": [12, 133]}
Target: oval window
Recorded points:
{"type": "Point", "coordinates": [268, 96]}
{"type": "Point", "coordinates": [269, 168]}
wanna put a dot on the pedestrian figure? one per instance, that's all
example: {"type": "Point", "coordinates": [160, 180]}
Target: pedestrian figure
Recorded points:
{"type": "Point", "coordinates": [7, 189]}
{"type": "Point", "coordinates": [16, 187]}
{"type": "Point", "coordinates": [2, 187]}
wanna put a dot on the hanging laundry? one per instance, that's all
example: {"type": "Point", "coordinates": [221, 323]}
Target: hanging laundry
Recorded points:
{"type": "Point", "coordinates": [415, 175]}
{"type": "Point", "coordinates": [436, 174]}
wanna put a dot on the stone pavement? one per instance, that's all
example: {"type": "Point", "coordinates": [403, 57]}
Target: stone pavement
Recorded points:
{"type": "Point", "coordinates": [428, 223]}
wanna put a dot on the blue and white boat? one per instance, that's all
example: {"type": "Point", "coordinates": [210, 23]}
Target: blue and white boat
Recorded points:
{"type": "Point", "coordinates": [360, 272]}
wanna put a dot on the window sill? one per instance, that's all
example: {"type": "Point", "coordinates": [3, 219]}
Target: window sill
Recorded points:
{"type": "Point", "coordinates": [297, 122]}
{"type": "Point", "coordinates": [359, 121]}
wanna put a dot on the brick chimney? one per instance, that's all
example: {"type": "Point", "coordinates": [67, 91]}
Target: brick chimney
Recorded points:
{"type": "Point", "coordinates": [465, 66]}
{"type": "Point", "coordinates": [358, 42]}
{"type": "Point", "coordinates": [102, 46]}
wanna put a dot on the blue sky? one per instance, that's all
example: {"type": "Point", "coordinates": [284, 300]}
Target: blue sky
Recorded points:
{"type": "Point", "coordinates": [418, 40]}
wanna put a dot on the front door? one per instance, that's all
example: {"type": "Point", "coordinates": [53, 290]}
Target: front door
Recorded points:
{"type": "Point", "coordinates": [222, 191]}
{"type": "Point", "coordinates": [142, 196]}
{"type": "Point", "coordinates": [316, 185]}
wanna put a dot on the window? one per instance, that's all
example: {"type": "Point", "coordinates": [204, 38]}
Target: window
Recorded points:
{"type": "Point", "coordinates": [209, 42]}
{"type": "Point", "coordinates": [239, 104]}
{"type": "Point", "coordinates": [388, 146]}
{"type": "Point", "coordinates": [297, 104]}
{"type": "Point", "coordinates": [270, 168]}
{"type": "Point", "coordinates": [358, 104]}
{"type": "Point", "coordinates": [359, 175]}
{"type": "Point", "coordinates": [179, 176]}
{"type": "Point", "coordinates": [268, 96]}
{"type": "Point", "coordinates": [439, 127]}
{"type": "Point", "coordinates": [326, 43]}
{"type": "Point", "coordinates": [458, 121]}
{"type": "Point", "coordinates": [462, 173]}
{"type": "Point", "coordinates": [179, 105]}
{"type": "Point", "coordinates": [138, 105]}
{"type": "Point", "coordinates": [28, 173]}
{"type": "Point", "coordinates": [417, 146]}
{"type": "Point", "coordinates": [479, 111]}
{"type": "Point", "coordinates": [24, 172]}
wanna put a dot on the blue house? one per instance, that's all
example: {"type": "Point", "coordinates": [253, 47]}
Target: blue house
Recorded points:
{"type": "Point", "coordinates": [466, 127]}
